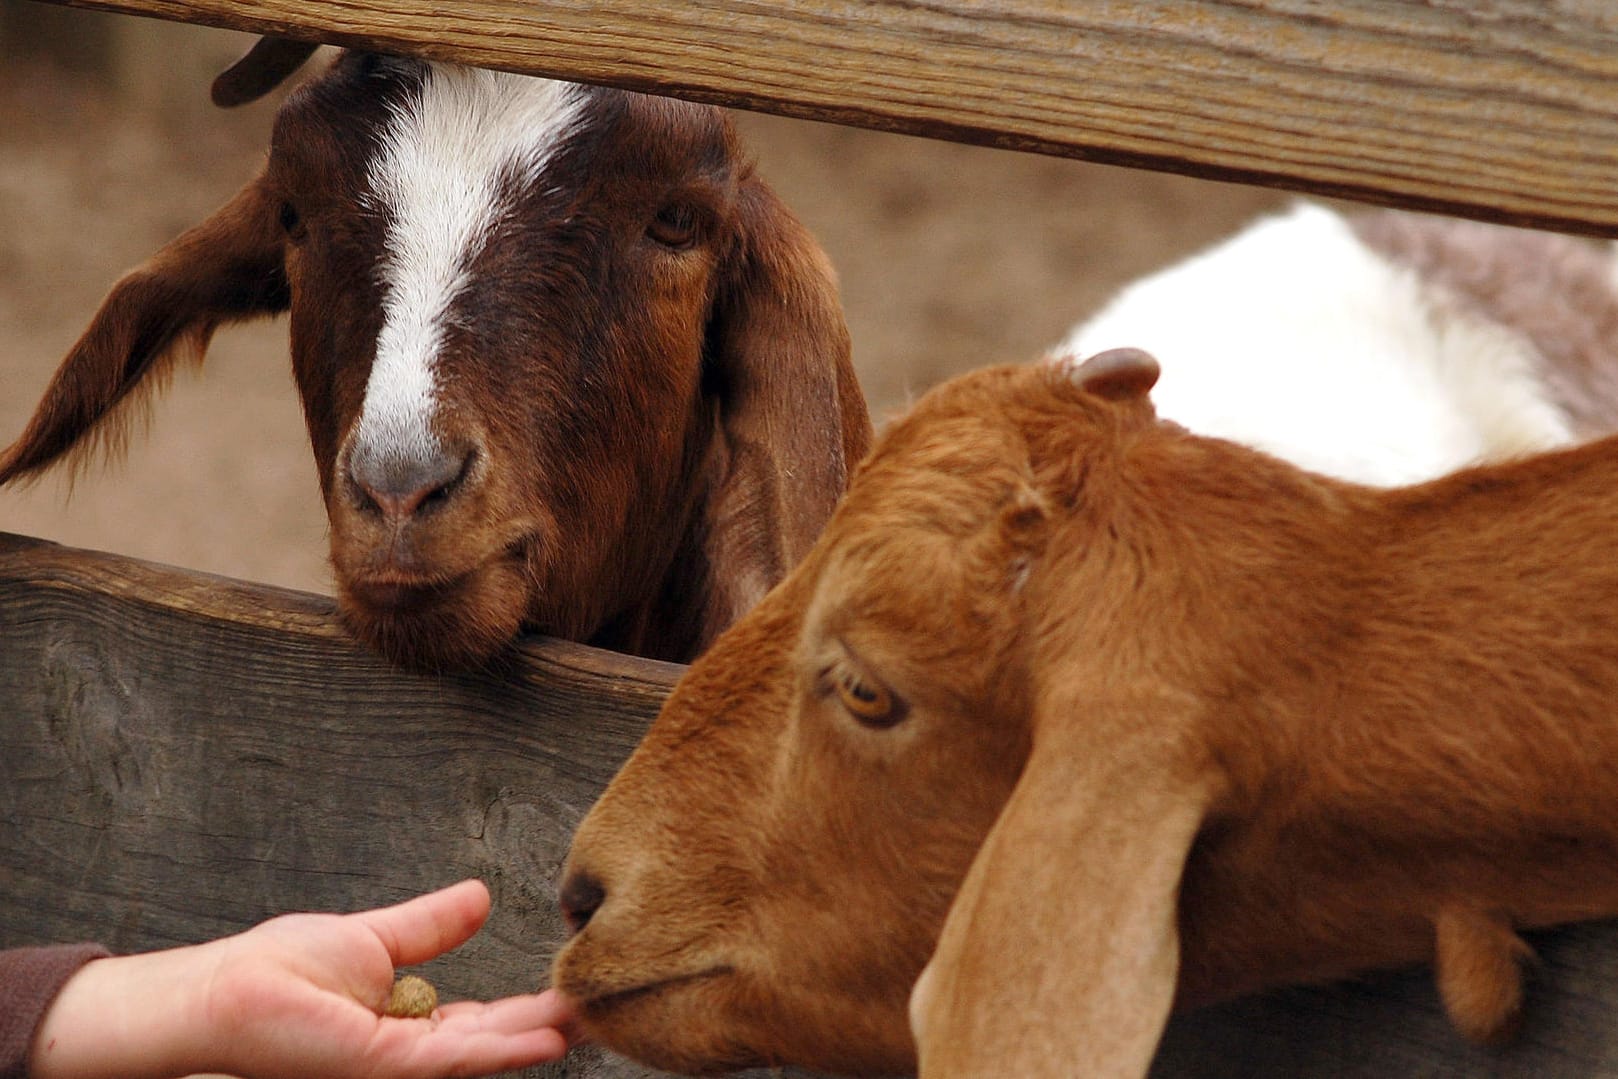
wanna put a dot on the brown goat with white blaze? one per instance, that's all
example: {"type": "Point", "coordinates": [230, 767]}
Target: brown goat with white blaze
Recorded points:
{"type": "Point", "coordinates": [1092, 718]}
{"type": "Point", "coordinates": [566, 361]}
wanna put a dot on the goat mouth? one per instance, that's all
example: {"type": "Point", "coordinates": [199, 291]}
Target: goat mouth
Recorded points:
{"type": "Point", "coordinates": [437, 624]}
{"type": "Point", "coordinates": [401, 595]}
{"type": "Point", "coordinates": [598, 1004]}
{"type": "Point", "coordinates": [398, 592]}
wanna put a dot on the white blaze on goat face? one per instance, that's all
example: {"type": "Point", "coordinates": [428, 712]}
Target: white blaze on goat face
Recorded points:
{"type": "Point", "coordinates": [456, 153]}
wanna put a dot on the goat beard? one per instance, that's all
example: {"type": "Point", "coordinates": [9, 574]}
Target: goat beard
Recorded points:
{"type": "Point", "coordinates": [469, 623]}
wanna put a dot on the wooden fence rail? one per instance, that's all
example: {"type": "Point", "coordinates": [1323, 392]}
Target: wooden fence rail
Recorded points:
{"type": "Point", "coordinates": [183, 755]}
{"type": "Point", "coordinates": [1501, 109]}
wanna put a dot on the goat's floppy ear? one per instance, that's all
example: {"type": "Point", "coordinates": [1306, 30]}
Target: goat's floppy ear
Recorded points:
{"type": "Point", "coordinates": [792, 419]}
{"type": "Point", "coordinates": [1060, 954]}
{"type": "Point", "coordinates": [225, 269]}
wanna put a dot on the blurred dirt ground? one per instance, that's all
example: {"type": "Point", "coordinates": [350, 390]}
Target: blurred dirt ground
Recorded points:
{"type": "Point", "coordinates": [950, 257]}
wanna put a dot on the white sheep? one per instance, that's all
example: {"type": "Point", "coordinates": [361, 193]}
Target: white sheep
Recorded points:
{"type": "Point", "coordinates": [1384, 348]}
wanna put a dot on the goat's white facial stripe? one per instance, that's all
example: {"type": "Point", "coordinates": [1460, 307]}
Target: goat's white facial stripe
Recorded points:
{"type": "Point", "coordinates": [439, 175]}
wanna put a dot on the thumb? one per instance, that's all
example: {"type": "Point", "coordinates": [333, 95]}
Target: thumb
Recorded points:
{"type": "Point", "coordinates": [429, 925]}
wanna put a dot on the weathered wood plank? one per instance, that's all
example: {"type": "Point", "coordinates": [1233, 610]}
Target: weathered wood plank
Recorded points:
{"type": "Point", "coordinates": [184, 755]}
{"type": "Point", "coordinates": [1501, 109]}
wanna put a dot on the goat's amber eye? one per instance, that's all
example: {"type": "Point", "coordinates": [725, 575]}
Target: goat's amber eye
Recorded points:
{"type": "Point", "coordinates": [869, 702]}
{"type": "Point", "coordinates": [675, 225]}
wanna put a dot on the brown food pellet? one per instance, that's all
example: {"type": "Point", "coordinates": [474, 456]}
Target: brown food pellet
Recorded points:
{"type": "Point", "coordinates": [412, 998]}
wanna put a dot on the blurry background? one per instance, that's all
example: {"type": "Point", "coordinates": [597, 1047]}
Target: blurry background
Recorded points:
{"type": "Point", "coordinates": [951, 257]}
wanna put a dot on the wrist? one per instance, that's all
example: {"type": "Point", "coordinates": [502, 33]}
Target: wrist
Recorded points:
{"type": "Point", "coordinates": [123, 1017]}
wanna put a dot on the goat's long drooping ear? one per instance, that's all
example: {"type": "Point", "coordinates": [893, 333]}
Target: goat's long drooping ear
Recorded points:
{"type": "Point", "coordinates": [791, 413]}
{"type": "Point", "coordinates": [226, 269]}
{"type": "Point", "coordinates": [1060, 954]}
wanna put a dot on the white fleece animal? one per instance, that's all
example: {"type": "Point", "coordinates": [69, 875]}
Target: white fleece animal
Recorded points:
{"type": "Point", "coordinates": [1299, 338]}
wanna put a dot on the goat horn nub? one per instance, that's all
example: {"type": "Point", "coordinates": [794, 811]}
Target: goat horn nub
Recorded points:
{"type": "Point", "coordinates": [260, 70]}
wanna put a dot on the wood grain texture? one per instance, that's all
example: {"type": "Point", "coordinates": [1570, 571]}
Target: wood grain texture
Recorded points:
{"type": "Point", "coordinates": [1499, 109]}
{"type": "Point", "coordinates": [182, 756]}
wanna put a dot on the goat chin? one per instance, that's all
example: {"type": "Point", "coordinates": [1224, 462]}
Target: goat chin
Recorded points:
{"type": "Point", "coordinates": [465, 623]}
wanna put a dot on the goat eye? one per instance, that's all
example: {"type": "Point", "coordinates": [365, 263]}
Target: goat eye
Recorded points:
{"type": "Point", "coordinates": [868, 702]}
{"type": "Point", "coordinates": [675, 226]}
{"type": "Point", "coordinates": [291, 223]}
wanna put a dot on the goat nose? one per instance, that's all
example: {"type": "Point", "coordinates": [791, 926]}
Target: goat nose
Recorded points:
{"type": "Point", "coordinates": [581, 896]}
{"type": "Point", "coordinates": [402, 484]}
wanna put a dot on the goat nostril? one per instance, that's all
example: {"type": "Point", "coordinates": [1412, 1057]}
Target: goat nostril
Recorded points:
{"type": "Point", "coordinates": [581, 896]}
{"type": "Point", "coordinates": [399, 485]}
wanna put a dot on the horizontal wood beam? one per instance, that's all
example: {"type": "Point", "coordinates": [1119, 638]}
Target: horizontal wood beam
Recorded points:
{"type": "Point", "coordinates": [1498, 109]}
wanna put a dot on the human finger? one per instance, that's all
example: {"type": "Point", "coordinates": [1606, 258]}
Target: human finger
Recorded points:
{"type": "Point", "coordinates": [429, 925]}
{"type": "Point", "coordinates": [415, 1049]}
{"type": "Point", "coordinates": [482, 1054]}
{"type": "Point", "coordinates": [530, 1011]}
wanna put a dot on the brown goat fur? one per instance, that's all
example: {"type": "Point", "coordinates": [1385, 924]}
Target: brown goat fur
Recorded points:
{"type": "Point", "coordinates": [632, 408]}
{"type": "Point", "coordinates": [1094, 718]}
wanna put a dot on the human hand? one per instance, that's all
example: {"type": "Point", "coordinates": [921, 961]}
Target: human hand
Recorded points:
{"type": "Point", "coordinates": [300, 997]}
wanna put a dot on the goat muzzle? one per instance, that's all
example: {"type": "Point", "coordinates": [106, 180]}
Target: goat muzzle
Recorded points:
{"type": "Point", "coordinates": [400, 487]}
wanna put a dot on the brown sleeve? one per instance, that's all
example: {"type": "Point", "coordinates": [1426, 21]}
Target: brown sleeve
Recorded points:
{"type": "Point", "coordinates": [30, 978]}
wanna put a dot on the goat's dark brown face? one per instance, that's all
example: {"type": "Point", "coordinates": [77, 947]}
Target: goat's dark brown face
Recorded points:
{"type": "Point", "coordinates": [493, 278]}
{"type": "Point", "coordinates": [566, 363]}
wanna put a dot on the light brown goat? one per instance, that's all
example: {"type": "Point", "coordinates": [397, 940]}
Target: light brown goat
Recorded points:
{"type": "Point", "coordinates": [566, 362]}
{"type": "Point", "coordinates": [1103, 718]}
